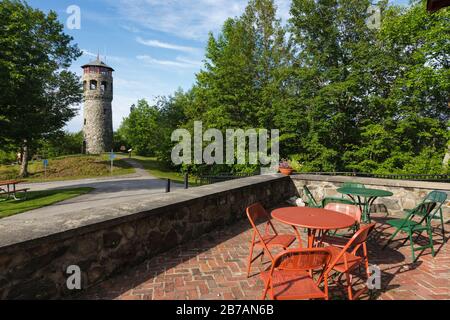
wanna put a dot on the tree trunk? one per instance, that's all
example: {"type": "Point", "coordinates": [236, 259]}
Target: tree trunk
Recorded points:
{"type": "Point", "coordinates": [24, 164]}
{"type": "Point", "coordinates": [447, 157]}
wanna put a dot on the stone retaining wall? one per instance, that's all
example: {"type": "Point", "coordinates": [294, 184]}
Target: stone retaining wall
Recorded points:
{"type": "Point", "coordinates": [407, 194]}
{"type": "Point", "coordinates": [106, 241]}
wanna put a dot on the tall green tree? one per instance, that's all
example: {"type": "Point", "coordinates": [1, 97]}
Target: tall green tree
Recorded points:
{"type": "Point", "coordinates": [172, 116]}
{"type": "Point", "coordinates": [242, 84]}
{"type": "Point", "coordinates": [333, 70]}
{"type": "Point", "coordinates": [241, 78]}
{"type": "Point", "coordinates": [37, 92]}
{"type": "Point", "coordinates": [345, 96]}
{"type": "Point", "coordinates": [141, 128]}
{"type": "Point", "coordinates": [414, 70]}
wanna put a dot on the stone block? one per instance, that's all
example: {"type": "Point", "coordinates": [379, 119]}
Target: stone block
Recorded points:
{"type": "Point", "coordinates": [128, 231]}
{"type": "Point", "coordinates": [111, 240]}
{"type": "Point", "coordinates": [39, 289]}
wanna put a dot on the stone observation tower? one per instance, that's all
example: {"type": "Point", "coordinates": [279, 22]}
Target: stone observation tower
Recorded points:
{"type": "Point", "coordinates": [98, 96]}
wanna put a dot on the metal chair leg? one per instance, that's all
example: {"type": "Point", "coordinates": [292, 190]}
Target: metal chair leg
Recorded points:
{"type": "Point", "coordinates": [442, 226]}
{"type": "Point", "coordinates": [430, 235]}
{"type": "Point", "coordinates": [250, 260]}
{"type": "Point", "coordinates": [412, 247]}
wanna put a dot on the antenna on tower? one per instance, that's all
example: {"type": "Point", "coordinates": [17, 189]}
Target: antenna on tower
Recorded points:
{"type": "Point", "coordinates": [98, 54]}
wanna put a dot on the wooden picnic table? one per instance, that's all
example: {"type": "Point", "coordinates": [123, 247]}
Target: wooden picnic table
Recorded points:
{"type": "Point", "coordinates": [313, 219]}
{"type": "Point", "coordinates": [9, 189]}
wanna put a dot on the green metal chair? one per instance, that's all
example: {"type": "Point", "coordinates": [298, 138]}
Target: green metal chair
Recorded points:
{"type": "Point", "coordinates": [313, 203]}
{"type": "Point", "coordinates": [409, 225]}
{"type": "Point", "coordinates": [440, 198]}
{"type": "Point", "coordinates": [310, 200]}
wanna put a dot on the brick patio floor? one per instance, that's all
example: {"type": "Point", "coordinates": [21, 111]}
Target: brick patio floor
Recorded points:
{"type": "Point", "coordinates": [214, 267]}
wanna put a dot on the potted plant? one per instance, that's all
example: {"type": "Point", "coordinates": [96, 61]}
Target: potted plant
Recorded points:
{"type": "Point", "coordinates": [286, 168]}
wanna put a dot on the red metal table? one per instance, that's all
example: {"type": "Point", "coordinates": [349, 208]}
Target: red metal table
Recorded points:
{"type": "Point", "coordinates": [313, 219]}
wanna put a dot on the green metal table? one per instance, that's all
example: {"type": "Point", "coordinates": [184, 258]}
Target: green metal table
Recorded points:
{"type": "Point", "coordinates": [368, 195]}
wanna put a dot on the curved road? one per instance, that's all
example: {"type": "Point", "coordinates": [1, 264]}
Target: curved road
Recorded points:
{"type": "Point", "coordinates": [108, 192]}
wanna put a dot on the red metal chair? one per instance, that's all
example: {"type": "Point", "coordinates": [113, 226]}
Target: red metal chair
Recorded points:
{"type": "Point", "coordinates": [291, 275]}
{"type": "Point", "coordinates": [255, 213]}
{"type": "Point", "coordinates": [347, 259]}
{"type": "Point", "coordinates": [350, 210]}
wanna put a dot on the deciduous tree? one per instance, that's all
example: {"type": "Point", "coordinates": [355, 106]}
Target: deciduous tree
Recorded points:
{"type": "Point", "coordinates": [37, 92]}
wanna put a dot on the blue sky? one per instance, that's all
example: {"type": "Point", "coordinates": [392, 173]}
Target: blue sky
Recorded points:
{"type": "Point", "coordinates": [155, 46]}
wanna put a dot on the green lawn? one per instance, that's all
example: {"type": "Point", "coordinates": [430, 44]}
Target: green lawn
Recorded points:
{"type": "Point", "coordinates": [39, 199]}
{"type": "Point", "coordinates": [159, 170]}
{"type": "Point", "coordinates": [69, 168]}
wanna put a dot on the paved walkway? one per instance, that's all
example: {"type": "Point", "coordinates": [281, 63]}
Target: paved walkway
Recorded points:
{"type": "Point", "coordinates": [214, 267]}
{"type": "Point", "coordinates": [108, 191]}
{"type": "Point", "coordinates": [109, 194]}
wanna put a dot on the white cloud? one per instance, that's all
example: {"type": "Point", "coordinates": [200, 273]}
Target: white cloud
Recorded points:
{"type": "Point", "coordinates": [180, 62]}
{"type": "Point", "coordinates": [189, 19]}
{"type": "Point", "coordinates": [165, 45]}
{"type": "Point", "coordinates": [190, 61]}
{"type": "Point", "coordinates": [90, 54]}
{"type": "Point", "coordinates": [131, 29]}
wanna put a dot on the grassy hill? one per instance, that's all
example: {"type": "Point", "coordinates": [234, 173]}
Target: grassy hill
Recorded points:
{"type": "Point", "coordinates": [68, 168]}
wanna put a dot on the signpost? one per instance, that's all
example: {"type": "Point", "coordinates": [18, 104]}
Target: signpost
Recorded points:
{"type": "Point", "coordinates": [112, 156]}
{"type": "Point", "coordinates": [45, 162]}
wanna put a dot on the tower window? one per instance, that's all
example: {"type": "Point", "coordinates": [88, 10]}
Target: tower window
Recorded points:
{"type": "Point", "coordinates": [104, 86]}
{"type": "Point", "coordinates": [105, 111]}
{"type": "Point", "coordinates": [93, 85]}
{"type": "Point", "coordinates": [84, 85]}
{"type": "Point", "coordinates": [85, 121]}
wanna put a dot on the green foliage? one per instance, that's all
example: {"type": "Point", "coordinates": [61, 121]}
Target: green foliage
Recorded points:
{"type": "Point", "coordinates": [7, 157]}
{"type": "Point", "coordinates": [37, 92]}
{"type": "Point", "coordinates": [8, 154]}
{"type": "Point", "coordinates": [241, 85]}
{"type": "Point", "coordinates": [141, 129]}
{"type": "Point", "coordinates": [345, 97]}
{"type": "Point", "coordinates": [172, 116]}
{"type": "Point", "coordinates": [61, 144]}
{"type": "Point", "coordinates": [120, 141]}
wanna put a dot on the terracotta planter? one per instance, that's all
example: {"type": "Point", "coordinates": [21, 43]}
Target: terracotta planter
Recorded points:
{"type": "Point", "coordinates": [286, 171]}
